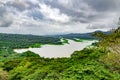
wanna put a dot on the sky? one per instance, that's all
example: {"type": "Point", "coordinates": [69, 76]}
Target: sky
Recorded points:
{"type": "Point", "coordinates": [46, 17]}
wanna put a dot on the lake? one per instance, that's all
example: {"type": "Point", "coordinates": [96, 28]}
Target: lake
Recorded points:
{"type": "Point", "coordinates": [54, 51]}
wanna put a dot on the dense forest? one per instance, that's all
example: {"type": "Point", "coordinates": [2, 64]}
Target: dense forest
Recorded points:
{"type": "Point", "coordinates": [25, 41]}
{"type": "Point", "coordinates": [101, 62]}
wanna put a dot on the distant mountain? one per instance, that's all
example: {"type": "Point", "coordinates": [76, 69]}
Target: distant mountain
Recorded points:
{"type": "Point", "coordinates": [79, 35]}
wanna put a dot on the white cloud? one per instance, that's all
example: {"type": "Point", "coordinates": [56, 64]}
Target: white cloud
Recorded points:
{"type": "Point", "coordinates": [33, 1]}
{"type": "Point", "coordinates": [53, 14]}
{"type": "Point", "coordinates": [5, 1]}
{"type": "Point", "coordinates": [64, 2]}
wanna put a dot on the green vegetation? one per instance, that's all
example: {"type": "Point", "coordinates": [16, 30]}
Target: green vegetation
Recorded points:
{"type": "Point", "coordinates": [83, 65]}
{"type": "Point", "coordinates": [3, 75]}
{"type": "Point", "coordinates": [111, 43]}
{"type": "Point", "coordinates": [64, 41]}
{"type": "Point", "coordinates": [25, 41]}
{"type": "Point", "coordinates": [36, 45]}
{"type": "Point", "coordinates": [101, 62]}
{"type": "Point", "coordinates": [77, 40]}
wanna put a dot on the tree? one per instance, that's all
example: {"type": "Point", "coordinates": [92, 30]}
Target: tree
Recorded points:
{"type": "Point", "coordinates": [119, 22]}
{"type": "Point", "coordinates": [99, 35]}
{"type": "Point", "coordinates": [118, 29]}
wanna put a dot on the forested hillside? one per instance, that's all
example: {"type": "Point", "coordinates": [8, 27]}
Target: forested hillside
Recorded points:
{"type": "Point", "coordinates": [101, 62]}
{"type": "Point", "coordinates": [25, 41]}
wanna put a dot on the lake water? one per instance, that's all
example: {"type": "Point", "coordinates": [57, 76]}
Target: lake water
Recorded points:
{"type": "Point", "coordinates": [54, 51]}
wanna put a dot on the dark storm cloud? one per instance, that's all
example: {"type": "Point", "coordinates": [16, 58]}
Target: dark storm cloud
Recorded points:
{"type": "Point", "coordinates": [77, 9]}
{"type": "Point", "coordinates": [35, 13]}
{"type": "Point", "coordinates": [4, 21]}
{"type": "Point", "coordinates": [2, 11]}
{"type": "Point", "coordinates": [103, 5]}
{"type": "Point", "coordinates": [69, 10]}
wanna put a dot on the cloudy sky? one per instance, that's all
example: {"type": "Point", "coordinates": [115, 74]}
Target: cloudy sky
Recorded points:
{"type": "Point", "coordinates": [41, 17]}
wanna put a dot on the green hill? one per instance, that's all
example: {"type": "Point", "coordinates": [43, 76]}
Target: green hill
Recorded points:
{"type": "Point", "coordinates": [101, 62]}
{"type": "Point", "coordinates": [25, 41]}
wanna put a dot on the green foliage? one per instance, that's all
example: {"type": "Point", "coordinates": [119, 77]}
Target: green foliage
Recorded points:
{"type": "Point", "coordinates": [111, 43]}
{"type": "Point", "coordinates": [5, 53]}
{"type": "Point", "coordinates": [25, 41]}
{"type": "Point", "coordinates": [83, 65]}
{"type": "Point", "coordinates": [91, 53]}
{"type": "Point", "coordinates": [9, 65]}
{"type": "Point", "coordinates": [36, 45]}
{"type": "Point", "coordinates": [29, 54]}
{"type": "Point", "coordinates": [96, 63]}
{"type": "Point", "coordinates": [77, 40]}
{"type": "Point", "coordinates": [64, 41]}
{"type": "Point", "coordinates": [3, 75]}
{"type": "Point", "coordinates": [112, 61]}
{"type": "Point", "coordinates": [100, 35]}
